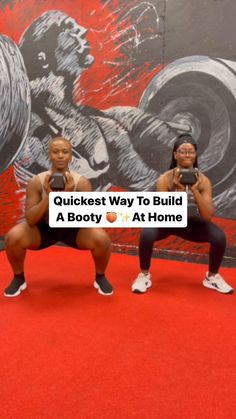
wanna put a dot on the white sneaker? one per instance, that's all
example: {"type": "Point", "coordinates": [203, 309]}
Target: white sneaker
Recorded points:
{"type": "Point", "coordinates": [216, 282]}
{"type": "Point", "coordinates": [141, 283]}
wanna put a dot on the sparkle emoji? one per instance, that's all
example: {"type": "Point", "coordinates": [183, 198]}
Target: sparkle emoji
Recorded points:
{"type": "Point", "coordinates": [111, 217]}
{"type": "Point", "coordinates": [124, 217]}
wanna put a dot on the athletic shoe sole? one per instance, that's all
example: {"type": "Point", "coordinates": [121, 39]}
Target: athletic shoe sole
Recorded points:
{"type": "Point", "coordinates": [100, 291]}
{"type": "Point", "coordinates": [148, 285]}
{"type": "Point", "coordinates": [20, 289]}
{"type": "Point", "coordinates": [207, 284]}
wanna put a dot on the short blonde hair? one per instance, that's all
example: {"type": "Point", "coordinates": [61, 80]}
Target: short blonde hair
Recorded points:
{"type": "Point", "coordinates": [53, 140]}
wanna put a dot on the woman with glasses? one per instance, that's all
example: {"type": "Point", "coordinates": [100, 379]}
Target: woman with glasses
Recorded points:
{"type": "Point", "coordinates": [200, 211]}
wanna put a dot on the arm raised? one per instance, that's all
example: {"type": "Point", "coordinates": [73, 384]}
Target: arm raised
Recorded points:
{"type": "Point", "coordinates": [36, 204]}
{"type": "Point", "coordinates": [84, 185]}
{"type": "Point", "coordinates": [202, 191]}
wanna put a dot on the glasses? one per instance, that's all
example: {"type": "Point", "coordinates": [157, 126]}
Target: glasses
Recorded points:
{"type": "Point", "coordinates": [186, 152]}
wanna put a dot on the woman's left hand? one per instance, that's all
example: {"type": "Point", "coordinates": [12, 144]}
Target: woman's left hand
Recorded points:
{"type": "Point", "coordinates": [69, 182]}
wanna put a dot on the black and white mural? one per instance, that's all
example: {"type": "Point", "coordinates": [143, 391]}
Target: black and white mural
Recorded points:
{"type": "Point", "coordinates": [102, 76]}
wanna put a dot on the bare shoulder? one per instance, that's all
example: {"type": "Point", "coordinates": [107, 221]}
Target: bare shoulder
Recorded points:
{"type": "Point", "coordinates": [84, 185]}
{"type": "Point", "coordinates": [164, 181]}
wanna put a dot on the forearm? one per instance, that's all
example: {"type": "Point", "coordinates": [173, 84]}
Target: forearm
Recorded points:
{"type": "Point", "coordinates": [130, 117]}
{"type": "Point", "coordinates": [36, 213]}
{"type": "Point", "coordinates": [205, 208]}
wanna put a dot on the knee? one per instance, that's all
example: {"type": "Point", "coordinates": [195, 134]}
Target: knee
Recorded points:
{"type": "Point", "coordinates": [219, 237]}
{"type": "Point", "coordinates": [12, 239]}
{"type": "Point", "coordinates": [102, 240]}
{"type": "Point", "coordinates": [147, 236]}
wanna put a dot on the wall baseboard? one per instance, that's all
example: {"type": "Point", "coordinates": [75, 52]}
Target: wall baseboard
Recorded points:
{"type": "Point", "coordinates": [181, 256]}
{"type": "Point", "coordinates": [162, 254]}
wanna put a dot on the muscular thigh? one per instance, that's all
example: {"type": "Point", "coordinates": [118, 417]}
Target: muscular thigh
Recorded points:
{"type": "Point", "coordinates": [25, 235]}
{"type": "Point", "coordinates": [88, 238]}
{"type": "Point", "coordinates": [149, 235]}
{"type": "Point", "coordinates": [198, 230]}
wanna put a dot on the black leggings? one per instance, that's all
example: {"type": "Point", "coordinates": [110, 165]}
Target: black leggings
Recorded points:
{"type": "Point", "coordinates": [198, 231]}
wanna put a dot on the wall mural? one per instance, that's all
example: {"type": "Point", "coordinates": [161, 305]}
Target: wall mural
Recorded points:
{"type": "Point", "coordinates": [98, 75]}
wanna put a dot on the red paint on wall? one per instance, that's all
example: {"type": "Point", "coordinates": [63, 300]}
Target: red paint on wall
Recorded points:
{"type": "Point", "coordinates": [110, 81]}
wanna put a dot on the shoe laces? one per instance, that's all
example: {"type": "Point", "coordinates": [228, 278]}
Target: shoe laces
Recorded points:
{"type": "Point", "coordinates": [141, 277]}
{"type": "Point", "coordinates": [217, 278]}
